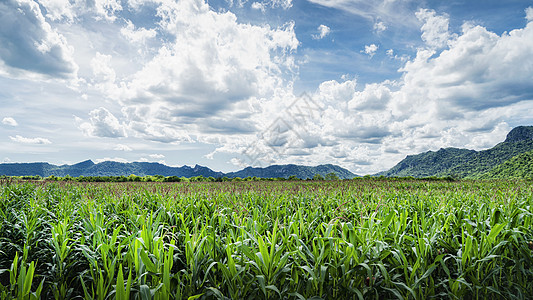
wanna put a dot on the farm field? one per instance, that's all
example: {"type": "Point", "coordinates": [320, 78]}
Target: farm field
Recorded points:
{"type": "Point", "coordinates": [350, 239]}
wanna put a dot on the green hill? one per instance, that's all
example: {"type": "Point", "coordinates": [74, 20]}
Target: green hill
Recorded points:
{"type": "Point", "coordinates": [112, 168]}
{"type": "Point", "coordinates": [520, 166]}
{"type": "Point", "coordinates": [302, 172]}
{"type": "Point", "coordinates": [465, 163]}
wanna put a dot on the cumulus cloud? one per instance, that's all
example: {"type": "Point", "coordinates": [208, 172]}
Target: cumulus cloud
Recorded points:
{"type": "Point", "coordinates": [479, 69]}
{"type": "Point", "coordinates": [107, 8]}
{"type": "Point", "coordinates": [30, 46]}
{"type": "Point", "coordinates": [137, 35]}
{"type": "Point", "coordinates": [69, 11]}
{"type": "Point", "coordinates": [104, 75]}
{"type": "Point", "coordinates": [370, 50]}
{"type": "Point", "coordinates": [457, 92]}
{"type": "Point", "coordinates": [35, 141]}
{"type": "Point", "coordinates": [156, 156]}
{"type": "Point", "coordinates": [529, 14]}
{"type": "Point", "coordinates": [58, 9]}
{"type": "Point", "coordinates": [211, 73]}
{"type": "Point", "coordinates": [435, 29]}
{"type": "Point", "coordinates": [9, 121]}
{"type": "Point", "coordinates": [102, 123]}
{"type": "Point", "coordinates": [218, 81]}
{"type": "Point", "coordinates": [374, 97]}
{"type": "Point", "coordinates": [101, 68]}
{"type": "Point", "coordinates": [323, 31]}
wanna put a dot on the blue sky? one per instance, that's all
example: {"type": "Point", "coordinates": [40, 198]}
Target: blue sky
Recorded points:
{"type": "Point", "coordinates": [232, 83]}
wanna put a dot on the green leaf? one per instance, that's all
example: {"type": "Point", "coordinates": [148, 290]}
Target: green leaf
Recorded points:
{"type": "Point", "coordinates": [144, 291]}
{"type": "Point", "coordinates": [148, 262]}
{"type": "Point", "coordinates": [496, 229]}
{"type": "Point", "coordinates": [195, 296]}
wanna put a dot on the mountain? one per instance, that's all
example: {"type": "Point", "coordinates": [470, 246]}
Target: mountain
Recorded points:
{"type": "Point", "coordinates": [106, 168]}
{"type": "Point", "coordinates": [520, 166]}
{"type": "Point", "coordinates": [462, 162]}
{"type": "Point", "coordinates": [285, 171]}
{"type": "Point", "coordinates": [112, 168]}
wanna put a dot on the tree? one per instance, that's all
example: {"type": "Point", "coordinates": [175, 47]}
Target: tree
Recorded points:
{"type": "Point", "coordinates": [318, 177]}
{"type": "Point", "coordinates": [332, 176]}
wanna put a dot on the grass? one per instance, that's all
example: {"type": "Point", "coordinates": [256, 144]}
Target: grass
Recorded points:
{"type": "Point", "coordinates": [358, 239]}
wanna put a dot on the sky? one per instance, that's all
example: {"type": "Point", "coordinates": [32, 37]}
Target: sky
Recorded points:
{"type": "Point", "coordinates": [234, 83]}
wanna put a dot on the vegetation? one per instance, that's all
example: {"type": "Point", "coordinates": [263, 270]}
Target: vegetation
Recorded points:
{"type": "Point", "coordinates": [158, 178]}
{"type": "Point", "coordinates": [520, 166]}
{"type": "Point", "coordinates": [464, 163]}
{"type": "Point", "coordinates": [117, 169]}
{"type": "Point", "coordinates": [351, 239]}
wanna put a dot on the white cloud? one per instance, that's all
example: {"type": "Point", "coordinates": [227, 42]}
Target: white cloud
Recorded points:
{"type": "Point", "coordinates": [403, 58]}
{"type": "Point", "coordinates": [121, 147]}
{"type": "Point", "coordinates": [102, 123]}
{"type": "Point", "coordinates": [9, 121]}
{"type": "Point", "coordinates": [323, 31]}
{"type": "Point", "coordinates": [284, 4]}
{"type": "Point", "coordinates": [24, 140]}
{"type": "Point", "coordinates": [529, 14]}
{"type": "Point", "coordinates": [370, 50]}
{"type": "Point", "coordinates": [137, 35]}
{"type": "Point", "coordinates": [478, 70]}
{"type": "Point", "coordinates": [215, 68]}
{"type": "Point", "coordinates": [115, 159]}
{"type": "Point", "coordinates": [31, 48]}
{"type": "Point", "coordinates": [107, 8]}
{"type": "Point", "coordinates": [101, 68]}
{"type": "Point", "coordinates": [379, 27]}
{"type": "Point", "coordinates": [259, 6]}
{"type": "Point", "coordinates": [215, 80]}
{"type": "Point", "coordinates": [58, 9]}
{"type": "Point", "coordinates": [435, 29]}
{"type": "Point", "coordinates": [156, 156]}
{"type": "Point", "coordinates": [396, 13]}
{"type": "Point", "coordinates": [373, 97]}
{"type": "Point", "coordinates": [461, 96]}
{"type": "Point", "coordinates": [69, 11]}
{"type": "Point", "coordinates": [105, 76]}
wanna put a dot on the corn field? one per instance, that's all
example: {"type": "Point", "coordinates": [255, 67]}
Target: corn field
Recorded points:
{"type": "Point", "coordinates": [352, 239]}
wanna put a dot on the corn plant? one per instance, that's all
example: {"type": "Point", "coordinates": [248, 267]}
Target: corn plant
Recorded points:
{"type": "Point", "coordinates": [354, 239]}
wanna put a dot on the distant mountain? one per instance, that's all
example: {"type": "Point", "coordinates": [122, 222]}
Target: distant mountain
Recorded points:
{"type": "Point", "coordinates": [112, 168]}
{"type": "Point", "coordinates": [520, 166]}
{"type": "Point", "coordinates": [106, 168]}
{"type": "Point", "coordinates": [285, 171]}
{"type": "Point", "coordinates": [462, 162]}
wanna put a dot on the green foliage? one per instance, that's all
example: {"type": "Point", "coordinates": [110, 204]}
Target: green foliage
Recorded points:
{"type": "Point", "coordinates": [332, 176]}
{"type": "Point", "coordinates": [462, 163]}
{"type": "Point", "coordinates": [520, 166]}
{"type": "Point", "coordinates": [369, 238]}
{"type": "Point", "coordinates": [318, 177]}
{"type": "Point", "coordinates": [154, 172]}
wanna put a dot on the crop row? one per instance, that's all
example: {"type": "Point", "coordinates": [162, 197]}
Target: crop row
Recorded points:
{"type": "Point", "coordinates": [294, 240]}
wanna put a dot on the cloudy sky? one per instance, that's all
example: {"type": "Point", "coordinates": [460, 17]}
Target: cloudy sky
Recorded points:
{"type": "Point", "coordinates": [232, 83]}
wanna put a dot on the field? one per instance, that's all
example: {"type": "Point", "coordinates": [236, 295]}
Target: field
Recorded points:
{"type": "Point", "coordinates": [352, 239]}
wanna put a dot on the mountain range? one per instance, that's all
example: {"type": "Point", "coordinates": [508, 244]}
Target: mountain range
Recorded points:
{"type": "Point", "coordinates": [511, 158]}
{"type": "Point", "coordinates": [112, 168]}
